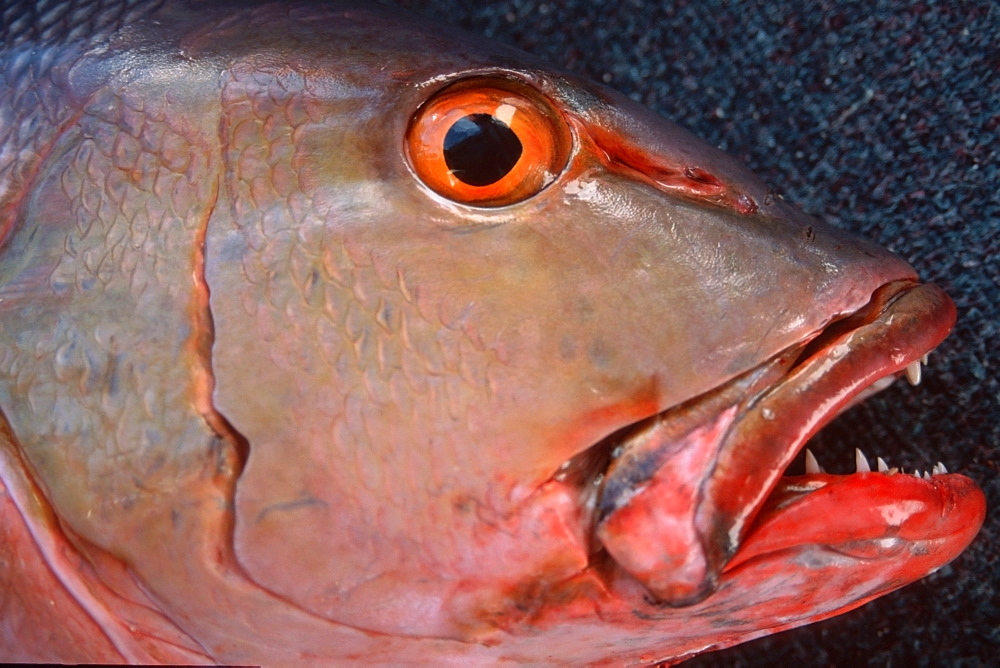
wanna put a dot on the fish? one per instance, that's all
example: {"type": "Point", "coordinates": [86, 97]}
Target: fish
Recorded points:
{"type": "Point", "coordinates": [288, 376]}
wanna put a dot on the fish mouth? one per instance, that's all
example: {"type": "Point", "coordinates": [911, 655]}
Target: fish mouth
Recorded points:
{"type": "Point", "coordinates": [681, 497]}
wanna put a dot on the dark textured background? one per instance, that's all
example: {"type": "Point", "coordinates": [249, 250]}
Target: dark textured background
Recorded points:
{"type": "Point", "coordinates": [883, 117]}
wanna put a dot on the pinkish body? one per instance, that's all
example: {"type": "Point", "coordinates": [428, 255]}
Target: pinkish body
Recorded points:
{"type": "Point", "coordinates": [268, 397]}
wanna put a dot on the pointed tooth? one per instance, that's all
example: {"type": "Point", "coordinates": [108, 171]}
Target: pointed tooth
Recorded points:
{"type": "Point", "coordinates": [923, 360]}
{"type": "Point", "coordinates": [941, 468]}
{"type": "Point", "coordinates": [882, 466]}
{"type": "Point", "coordinates": [812, 466]}
{"type": "Point", "coordinates": [861, 462]}
{"type": "Point", "coordinates": [927, 476]}
{"type": "Point", "coordinates": [913, 372]}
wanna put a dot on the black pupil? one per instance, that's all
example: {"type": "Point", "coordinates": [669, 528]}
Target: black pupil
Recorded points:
{"type": "Point", "coordinates": [480, 149]}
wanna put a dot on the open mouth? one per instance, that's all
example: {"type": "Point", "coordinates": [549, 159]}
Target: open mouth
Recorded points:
{"type": "Point", "coordinates": [681, 496]}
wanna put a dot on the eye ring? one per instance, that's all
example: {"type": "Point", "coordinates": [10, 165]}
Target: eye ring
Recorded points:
{"type": "Point", "coordinates": [487, 143]}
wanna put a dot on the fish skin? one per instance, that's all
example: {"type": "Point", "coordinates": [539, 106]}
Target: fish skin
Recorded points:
{"type": "Point", "coordinates": [187, 200]}
{"type": "Point", "coordinates": [753, 93]}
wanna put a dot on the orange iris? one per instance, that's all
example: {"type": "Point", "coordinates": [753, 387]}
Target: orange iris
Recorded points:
{"type": "Point", "coordinates": [487, 142]}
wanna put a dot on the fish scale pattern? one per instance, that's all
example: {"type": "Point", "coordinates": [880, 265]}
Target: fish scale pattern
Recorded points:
{"type": "Point", "coordinates": [32, 108]}
{"type": "Point", "coordinates": [117, 211]}
{"type": "Point", "coordinates": [41, 41]}
{"type": "Point", "coordinates": [356, 348]}
{"type": "Point", "coordinates": [79, 21]}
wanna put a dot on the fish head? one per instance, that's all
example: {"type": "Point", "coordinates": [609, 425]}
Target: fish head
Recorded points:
{"type": "Point", "coordinates": [499, 356]}
{"type": "Point", "coordinates": [479, 395]}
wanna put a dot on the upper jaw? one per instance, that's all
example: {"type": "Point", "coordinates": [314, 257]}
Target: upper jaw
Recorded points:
{"type": "Point", "coordinates": [684, 486]}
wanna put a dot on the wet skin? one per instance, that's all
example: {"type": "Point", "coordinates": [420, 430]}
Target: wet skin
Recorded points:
{"type": "Point", "coordinates": [271, 394]}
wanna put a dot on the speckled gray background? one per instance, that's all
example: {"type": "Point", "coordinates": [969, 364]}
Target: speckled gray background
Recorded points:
{"type": "Point", "coordinates": [883, 117]}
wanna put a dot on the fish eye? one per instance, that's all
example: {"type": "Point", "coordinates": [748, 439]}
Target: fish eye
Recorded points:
{"type": "Point", "coordinates": [487, 143]}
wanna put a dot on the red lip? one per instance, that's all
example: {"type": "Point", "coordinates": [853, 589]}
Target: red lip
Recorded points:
{"type": "Point", "coordinates": [679, 501]}
{"type": "Point", "coordinates": [867, 515]}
